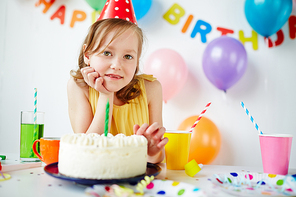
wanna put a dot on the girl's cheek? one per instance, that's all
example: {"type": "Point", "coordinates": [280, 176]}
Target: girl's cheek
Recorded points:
{"type": "Point", "coordinates": [95, 67]}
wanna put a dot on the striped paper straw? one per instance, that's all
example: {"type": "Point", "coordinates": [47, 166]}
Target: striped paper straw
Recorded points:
{"type": "Point", "coordinates": [200, 116]}
{"type": "Point", "coordinates": [35, 135]}
{"type": "Point", "coordinates": [251, 118]}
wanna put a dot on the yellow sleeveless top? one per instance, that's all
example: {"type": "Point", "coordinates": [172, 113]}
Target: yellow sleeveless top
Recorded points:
{"type": "Point", "coordinates": [126, 116]}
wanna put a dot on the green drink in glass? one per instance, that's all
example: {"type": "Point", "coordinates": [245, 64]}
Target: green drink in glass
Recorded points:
{"type": "Point", "coordinates": [29, 133]}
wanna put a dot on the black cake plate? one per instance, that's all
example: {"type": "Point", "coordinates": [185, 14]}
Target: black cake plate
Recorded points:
{"type": "Point", "coordinates": [151, 170]}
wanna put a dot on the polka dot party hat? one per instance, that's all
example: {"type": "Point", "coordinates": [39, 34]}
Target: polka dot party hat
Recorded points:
{"type": "Point", "coordinates": [119, 9]}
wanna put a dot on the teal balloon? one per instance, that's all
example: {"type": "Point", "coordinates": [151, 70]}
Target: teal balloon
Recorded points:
{"type": "Point", "coordinates": [266, 17]}
{"type": "Point", "coordinates": [141, 7]}
{"type": "Point", "coordinates": [96, 4]}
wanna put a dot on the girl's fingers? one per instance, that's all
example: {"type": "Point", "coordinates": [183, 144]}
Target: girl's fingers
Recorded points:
{"type": "Point", "coordinates": [93, 79]}
{"type": "Point", "coordinates": [142, 129]}
{"type": "Point", "coordinates": [85, 73]}
{"type": "Point", "coordinates": [136, 128]}
{"type": "Point", "coordinates": [162, 143]}
{"type": "Point", "coordinates": [154, 127]}
{"type": "Point", "coordinates": [92, 76]}
{"type": "Point", "coordinates": [99, 85]}
{"type": "Point", "coordinates": [156, 132]}
{"type": "Point", "coordinates": [86, 70]}
{"type": "Point", "coordinates": [159, 134]}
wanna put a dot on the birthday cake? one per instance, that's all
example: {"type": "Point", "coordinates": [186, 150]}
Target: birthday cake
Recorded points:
{"type": "Point", "coordinates": [94, 156]}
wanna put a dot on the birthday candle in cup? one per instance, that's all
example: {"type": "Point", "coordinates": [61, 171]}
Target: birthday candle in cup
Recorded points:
{"type": "Point", "coordinates": [251, 118]}
{"type": "Point", "coordinates": [200, 116]}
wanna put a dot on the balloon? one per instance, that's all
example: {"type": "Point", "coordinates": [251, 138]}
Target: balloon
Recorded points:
{"type": "Point", "coordinates": [205, 139]}
{"type": "Point", "coordinates": [224, 62]}
{"type": "Point", "coordinates": [266, 17]}
{"type": "Point", "coordinates": [141, 7]}
{"type": "Point", "coordinates": [96, 4]}
{"type": "Point", "coordinates": [170, 69]}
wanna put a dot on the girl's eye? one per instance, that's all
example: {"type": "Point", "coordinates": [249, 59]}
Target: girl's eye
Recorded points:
{"type": "Point", "coordinates": [128, 57]}
{"type": "Point", "coordinates": [106, 53]}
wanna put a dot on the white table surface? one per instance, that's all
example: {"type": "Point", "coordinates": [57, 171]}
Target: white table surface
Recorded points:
{"type": "Point", "coordinates": [34, 182]}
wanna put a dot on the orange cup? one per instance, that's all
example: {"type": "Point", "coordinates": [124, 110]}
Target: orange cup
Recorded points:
{"type": "Point", "coordinates": [49, 149]}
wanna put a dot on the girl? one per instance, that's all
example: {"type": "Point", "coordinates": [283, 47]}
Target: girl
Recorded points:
{"type": "Point", "coordinates": [108, 64]}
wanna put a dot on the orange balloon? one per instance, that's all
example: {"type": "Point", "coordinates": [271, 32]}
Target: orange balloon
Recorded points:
{"type": "Point", "coordinates": [205, 139]}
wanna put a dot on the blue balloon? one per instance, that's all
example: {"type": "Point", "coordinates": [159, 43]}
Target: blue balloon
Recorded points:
{"type": "Point", "coordinates": [266, 17]}
{"type": "Point", "coordinates": [141, 7]}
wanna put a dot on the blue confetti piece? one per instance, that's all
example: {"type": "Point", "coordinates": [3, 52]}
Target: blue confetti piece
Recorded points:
{"type": "Point", "coordinates": [234, 174]}
{"type": "Point", "coordinates": [196, 189]}
{"type": "Point", "coordinates": [161, 192]}
{"type": "Point", "coordinates": [261, 183]}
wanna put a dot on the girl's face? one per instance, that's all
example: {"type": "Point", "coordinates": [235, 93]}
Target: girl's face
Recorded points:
{"type": "Point", "coordinates": [118, 62]}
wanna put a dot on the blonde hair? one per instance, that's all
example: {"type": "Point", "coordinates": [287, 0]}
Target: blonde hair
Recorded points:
{"type": "Point", "coordinates": [96, 35]}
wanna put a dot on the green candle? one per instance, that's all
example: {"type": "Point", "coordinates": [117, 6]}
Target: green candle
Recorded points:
{"type": "Point", "coordinates": [107, 119]}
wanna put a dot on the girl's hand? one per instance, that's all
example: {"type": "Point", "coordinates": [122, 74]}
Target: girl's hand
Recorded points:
{"type": "Point", "coordinates": [94, 80]}
{"type": "Point", "coordinates": [154, 135]}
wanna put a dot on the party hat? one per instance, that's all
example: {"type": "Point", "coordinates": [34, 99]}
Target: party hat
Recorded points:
{"type": "Point", "coordinates": [119, 9]}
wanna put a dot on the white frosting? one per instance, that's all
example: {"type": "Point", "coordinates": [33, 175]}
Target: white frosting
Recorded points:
{"type": "Point", "coordinates": [95, 156]}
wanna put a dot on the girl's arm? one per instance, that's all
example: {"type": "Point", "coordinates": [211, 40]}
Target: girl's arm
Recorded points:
{"type": "Point", "coordinates": [80, 112]}
{"type": "Point", "coordinates": [154, 132]}
{"type": "Point", "coordinates": [154, 99]}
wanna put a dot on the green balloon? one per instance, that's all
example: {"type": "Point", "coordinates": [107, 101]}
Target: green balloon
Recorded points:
{"type": "Point", "coordinates": [96, 4]}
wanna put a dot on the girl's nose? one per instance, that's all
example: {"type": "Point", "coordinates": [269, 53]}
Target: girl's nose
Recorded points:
{"type": "Point", "coordinates": [116, 63]}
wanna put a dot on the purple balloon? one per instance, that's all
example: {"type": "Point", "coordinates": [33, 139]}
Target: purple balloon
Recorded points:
{"type": "Point", "coordinates": [224, 62]}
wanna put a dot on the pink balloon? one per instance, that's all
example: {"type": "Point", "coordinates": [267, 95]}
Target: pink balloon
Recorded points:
{"type": "Point", "coordinates": [169, 68]}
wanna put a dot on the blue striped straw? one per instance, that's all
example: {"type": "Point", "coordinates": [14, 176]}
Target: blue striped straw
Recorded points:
{"type": "Point", "coordinates": [35, 135]}
{"type": "Point", "coordinates": [35, 106]}
{"type": "Point", "coordinates": [251, 118]}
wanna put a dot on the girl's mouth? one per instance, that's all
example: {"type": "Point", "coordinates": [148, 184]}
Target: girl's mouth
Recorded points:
{"type": "Point", "coordinates": [114, 76]}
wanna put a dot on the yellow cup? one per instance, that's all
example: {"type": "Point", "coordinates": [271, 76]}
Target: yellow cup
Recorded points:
{"type": "Point", "coordinates": [177, 149]}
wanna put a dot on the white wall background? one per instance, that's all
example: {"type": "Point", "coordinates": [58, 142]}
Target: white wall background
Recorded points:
{"type": "Point", "coordinates": [38, 52]}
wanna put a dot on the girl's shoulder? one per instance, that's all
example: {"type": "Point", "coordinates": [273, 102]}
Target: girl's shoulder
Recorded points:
{"type": "Point", "coordinates": [150, 81]}
{"type": "Point", "coordinates": [75, 87]}
{"type": "Point", "coordinates": [153, 89]}
{"type": "Point", "coordinates": [146, 77]}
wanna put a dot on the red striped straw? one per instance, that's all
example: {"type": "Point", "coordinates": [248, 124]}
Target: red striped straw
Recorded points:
{"type": "Point", "coordinates": [200, 116]}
